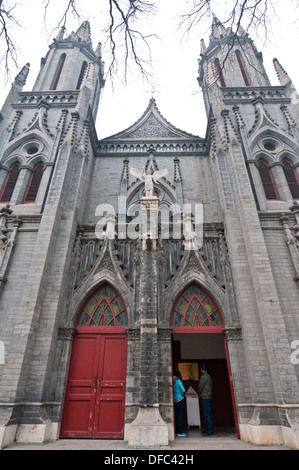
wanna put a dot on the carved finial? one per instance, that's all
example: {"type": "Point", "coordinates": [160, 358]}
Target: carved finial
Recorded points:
{"type": "Point", "coordinates": [61, 34]}
{"type": "Point", "coordinates": [84, 32]}
{"type": "Point", "coordinates": [217, 28]}
{"type": "Point", "coordinates": [21, 78]}
{"type": "Point", "coordinates": [203, 47]}
{"type": "Point", "coordinates": [281, 73]}
{"type": "Point", "coordinates": [98, 51]}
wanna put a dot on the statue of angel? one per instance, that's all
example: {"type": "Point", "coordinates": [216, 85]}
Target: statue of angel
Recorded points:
{"type": "Point", "coordinates": [148, 177]}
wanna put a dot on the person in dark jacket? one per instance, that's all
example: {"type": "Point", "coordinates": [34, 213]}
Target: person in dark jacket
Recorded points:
{"type": "Point", "coordinates": [205, 392]}
{"type": "Point", "coordinates": [179, 402]}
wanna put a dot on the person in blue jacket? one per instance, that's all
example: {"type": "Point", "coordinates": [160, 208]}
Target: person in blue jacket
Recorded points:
{"type": "Point", "coordinates": [179, 403]}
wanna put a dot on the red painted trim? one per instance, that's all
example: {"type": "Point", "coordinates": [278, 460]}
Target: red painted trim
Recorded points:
{"type": "Point", "coordinates": [220, 73]}
{"type": "Point", "coordinates": [7, 181]}
{"type": "Point", "coordinates": [263, 162]}
{"type": "Point", "coordinates": [199, 330]}
{"type": "Point", "coordinates": [286, 162]}
{"type": "Point", "coordinates": [231, 387]}
{"type": "Point", "coordinates": [242, 68]}
{"type": "Point", "coordinates": [100, 330]}
{"type": "Point", "coordinates": [58, 72]}
{"type": "Point", "coordinates": [30, 183]}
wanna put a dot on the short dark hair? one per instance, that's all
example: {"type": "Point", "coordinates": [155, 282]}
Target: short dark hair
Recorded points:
{"type": "Point", "coordinates": [204, 368]}
{"type": "Point", "coordinates": [178, 374]}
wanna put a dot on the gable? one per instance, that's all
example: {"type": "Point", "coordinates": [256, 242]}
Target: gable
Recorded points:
{"type": "Point", "coordinates": [152, 128]}
{"type": "Point", "coordinates": [152, 125]}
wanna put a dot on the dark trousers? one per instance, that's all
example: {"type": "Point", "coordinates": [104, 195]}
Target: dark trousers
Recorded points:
{"type": "Point", "coordinates": [178, 416]}
{"type": "Point", "coordinates": [207, 409]}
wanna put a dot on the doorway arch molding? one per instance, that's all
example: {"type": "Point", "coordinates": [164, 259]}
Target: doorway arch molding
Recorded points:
{"type": "Point", "coordinates": [88, 287]}
{"type": "Point", "coordinates": [213, 290]}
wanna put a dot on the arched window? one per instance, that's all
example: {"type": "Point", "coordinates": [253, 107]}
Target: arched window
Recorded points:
{"type": "Point", "coordinates": [103, 308]}
{"type": "Point", "coordinates": [34, 183]}
{"type": "Point", "coordinates": [267, 180]}
{"type": "Point", "coordinates": [81, 76]}
{"type": "Point", "coordinates": [195, 308]}
{"type": "Point", "coordinates": [291, 177]}
{"type": "Point", "coordinates": [219, 71]}
{"type": "Point", "coordinates": [10, 183]}
{"type": "Point", "coordinates": [58, 72]}
{"type": "Point", "coordinates": [242, 68]}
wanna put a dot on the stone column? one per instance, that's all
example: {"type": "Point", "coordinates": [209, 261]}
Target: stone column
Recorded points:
{"type": "Point", "coordinates": [148, 429]}
{"type": "Point", "coordinates": [281, 182]}
{"type": "Point", "coordinates": [21, 185]}
{"type": "Point", "coordinates": [258, 187]}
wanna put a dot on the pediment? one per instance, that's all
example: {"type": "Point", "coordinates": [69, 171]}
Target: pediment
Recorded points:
{"type": "Point", "coordinates": [151, 125]}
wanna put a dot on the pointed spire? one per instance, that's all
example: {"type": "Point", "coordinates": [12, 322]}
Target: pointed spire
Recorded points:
{"type": "Point", "coordinates": [84, 32]}
{"type": "Point", "coordinates": [217, 28]}
{"type": "Point", "coordinates": [242, 31]}
{"type": "Point", "coordinates": [281, 73]}
{"type": "Point", "coordinates": [98, 51]}
{"type": "Point", "coordinates": [203, 47]}
{"type": "Point", "coordinates": [61, 34]}
{"type": "Point", "coordinates": [21, 78]}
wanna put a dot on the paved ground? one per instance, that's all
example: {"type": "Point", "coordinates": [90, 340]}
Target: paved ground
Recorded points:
{"type": "Point", "coordinates": [194, 441]}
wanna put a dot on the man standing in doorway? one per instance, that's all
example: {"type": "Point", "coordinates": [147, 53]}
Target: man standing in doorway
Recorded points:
{"type": "Point", "coordinates": [206, 394]}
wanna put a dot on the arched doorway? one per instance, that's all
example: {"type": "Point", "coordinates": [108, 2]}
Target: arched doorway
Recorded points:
{"type": "Point", "coordinates": [95, 395]}
{"type": "Point", "coordinates": [198, 339]}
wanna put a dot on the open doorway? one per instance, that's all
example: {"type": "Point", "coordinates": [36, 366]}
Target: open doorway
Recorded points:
{"type": "Point", "coordinates": [209, 349]}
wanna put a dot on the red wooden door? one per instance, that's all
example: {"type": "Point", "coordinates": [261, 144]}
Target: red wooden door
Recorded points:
{"type": "Point", "coordinates": [95, 395]}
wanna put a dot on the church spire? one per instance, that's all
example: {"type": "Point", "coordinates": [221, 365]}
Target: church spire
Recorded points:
{"type": "Point", "coordinates": [281, 73]}
{"type": "Point", "coordinates": [84, 32]}
{"type": "Point", "coordinates": [217, 28]}
{"type": "Point", "coordinates": [20, 80]}
{"type": "Point", "coordinates": [60, 35]}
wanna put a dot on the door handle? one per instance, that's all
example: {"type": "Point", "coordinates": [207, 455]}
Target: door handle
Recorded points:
{"type": "Point", "coordinates": [94, 381]}
{"type": "Point", "coordinates": [99, 379]}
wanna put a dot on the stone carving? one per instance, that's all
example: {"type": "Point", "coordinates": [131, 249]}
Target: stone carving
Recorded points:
{"type": "Point", "coordinates": [148, 177]}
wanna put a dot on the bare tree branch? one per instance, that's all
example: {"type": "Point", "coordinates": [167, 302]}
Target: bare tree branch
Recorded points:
{"type": "Point", "coordinates": [70, 8]}
{"type": "Point", "coordinates": [7, 44]}
{"type": "Point", "coordinates": [122, 35]}
{"type": "Point", "coordinates": [128, 42]}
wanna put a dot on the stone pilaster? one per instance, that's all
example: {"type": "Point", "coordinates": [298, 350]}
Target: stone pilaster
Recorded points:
{"type": "Point", "coordinates": [148, 429]}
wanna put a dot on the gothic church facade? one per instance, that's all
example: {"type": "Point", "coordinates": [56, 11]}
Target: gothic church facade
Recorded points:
{"type": "Point", "coordinates": [96, 313]}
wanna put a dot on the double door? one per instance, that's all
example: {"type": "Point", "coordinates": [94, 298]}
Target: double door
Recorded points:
{"type": "Point", "coordinates": [95, 394]}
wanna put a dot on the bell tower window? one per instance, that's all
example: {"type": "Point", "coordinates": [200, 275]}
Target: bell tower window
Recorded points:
{"type": "Point", "coordinates": [81, 76]}
{"type": "Point", "coordinates": [58, 72]}
{"type": "Point", "coordinates": [267, 180]}
{"type": "Point", "coordinates": [242, 68]}
{"type": "Point", "coordinates": [34, 183]}
{"type": "Point", "coordinates": [10, 183]}
{"type": "Point", "coordinates": [291, 177]}
{"type": "Point", "coordinates": [219, 72]}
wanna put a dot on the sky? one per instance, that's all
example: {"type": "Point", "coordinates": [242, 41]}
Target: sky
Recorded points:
{"type": "Point", "coordinates": [174, 60]}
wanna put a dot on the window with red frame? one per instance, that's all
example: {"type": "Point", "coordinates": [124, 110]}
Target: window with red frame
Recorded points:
{"type": "Point", "coordinates": [58, 72]}
{"type": "Point", "coordinates": [195, 308]}
{"type": "Point", "coordinates": [104, 308]}
{"type": "Point", "coordinates": [10, 183]}
{"type": "Point", "coordinates": [220, 74]}
{"type": "Point", "coordinates": [34, 183]}
{"type": "Point", "coordinates": [242, 68]}
{"type": "Point", "coordinates": [267, 180]}
{"type": "Point", "coordinates": [291, 177]}
{"type": "Point", "coordinates": [81, 76]}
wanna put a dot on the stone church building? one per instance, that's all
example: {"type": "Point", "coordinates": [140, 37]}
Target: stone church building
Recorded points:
{"type": "Point", "coordinates": [126, 258]}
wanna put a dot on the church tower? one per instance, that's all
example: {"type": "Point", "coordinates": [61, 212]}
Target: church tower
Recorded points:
{"type": "Point", "coordinates": [47, 154]}
{"type": "Point", "coordinates": [254, 149]}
